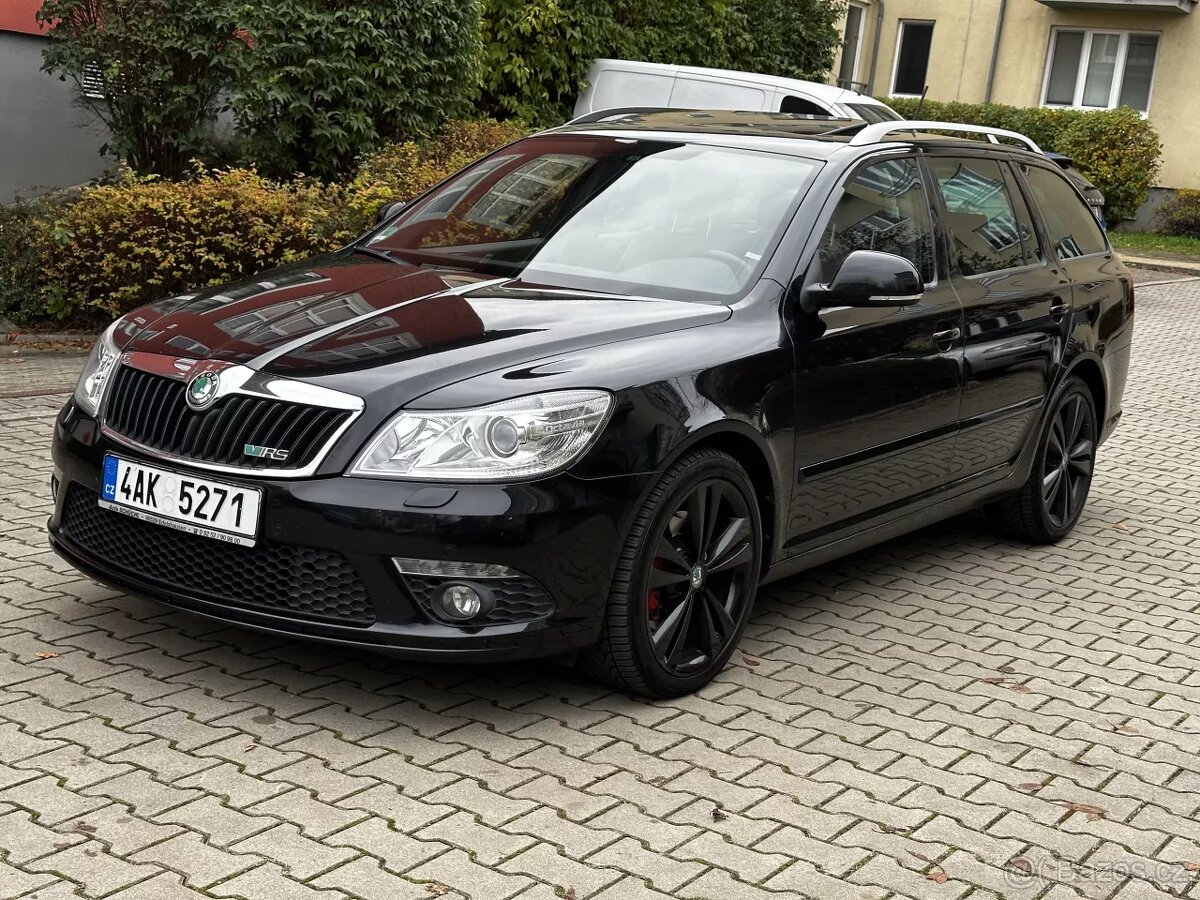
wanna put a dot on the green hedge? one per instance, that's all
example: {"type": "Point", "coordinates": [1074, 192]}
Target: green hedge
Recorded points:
{"type": "Point", "coordinates": [1116, 148]}
{"type": "Point", "coordinates": [80, 259]}
{"type": "Point", "coordinates": [537, 52]}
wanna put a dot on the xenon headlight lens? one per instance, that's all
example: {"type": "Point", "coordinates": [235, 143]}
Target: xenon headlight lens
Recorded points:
{"type": "Point", "coordinates": [517, 439]}
{"type": "Point", "coordinates": [97, 371]}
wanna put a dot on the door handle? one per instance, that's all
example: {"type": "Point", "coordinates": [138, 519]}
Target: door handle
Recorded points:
{"type": "Point", "coordinates": [944, 340]}
{"type": "Point", "coordinates": [1059, 308]}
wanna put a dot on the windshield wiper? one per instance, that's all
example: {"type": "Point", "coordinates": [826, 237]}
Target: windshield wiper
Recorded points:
{"type": "Point", "coordinates": [378, 254]}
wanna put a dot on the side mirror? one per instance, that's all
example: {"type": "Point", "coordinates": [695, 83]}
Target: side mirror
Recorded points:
{"type": "Point", "coordinates": [388, 210]}
{"type": "Point", "coordinates": [868, 278]}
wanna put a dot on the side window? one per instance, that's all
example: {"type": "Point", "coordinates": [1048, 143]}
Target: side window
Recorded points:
{"type": "Point", "coordinates": [883, 207]}
{"type": "Point", "coordinates": [790, 104]}
{"type": "Point", "coordinates": [988, 230]}
{"type": "Point", "coordinates": [1070, 225]}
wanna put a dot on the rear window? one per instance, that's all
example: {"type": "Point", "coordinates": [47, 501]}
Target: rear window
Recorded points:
{"type": "Point", "coordinates": [1071, 225]}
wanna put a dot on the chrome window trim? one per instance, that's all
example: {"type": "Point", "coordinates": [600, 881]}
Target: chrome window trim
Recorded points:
{"type": "Point", "coordinates": [242, 380]}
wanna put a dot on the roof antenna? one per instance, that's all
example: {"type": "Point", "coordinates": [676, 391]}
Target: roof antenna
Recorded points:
{"type": "Point", "coordinates": [920, 104]}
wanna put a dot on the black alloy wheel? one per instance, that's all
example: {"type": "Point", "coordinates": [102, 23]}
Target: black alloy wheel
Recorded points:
{"type": "Point", "coordinates": [685, 582]}
{"type": "Point", "coordinates": [1051, 501]}
{"type": "Point", "coordinates": [1068, 461]}
{"type": "Point", "coordinates": [698, 579]}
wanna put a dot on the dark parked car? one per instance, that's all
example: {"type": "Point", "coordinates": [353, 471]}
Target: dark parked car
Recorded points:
{"type": "Point", "coordinates": [592, 392]}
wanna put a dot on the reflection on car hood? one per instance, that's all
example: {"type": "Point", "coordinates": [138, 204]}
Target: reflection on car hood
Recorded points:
{"type": "Point", "coordinates": [341, 318]}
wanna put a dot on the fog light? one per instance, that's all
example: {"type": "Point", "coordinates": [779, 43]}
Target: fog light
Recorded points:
{"type": "Point", "coordinates": [462, 602]}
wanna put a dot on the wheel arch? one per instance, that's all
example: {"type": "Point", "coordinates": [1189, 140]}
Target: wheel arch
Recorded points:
{"type": "Point", "coordinates": [1091, 371]}
{"type": "Point", "coordinates": [749, 449]}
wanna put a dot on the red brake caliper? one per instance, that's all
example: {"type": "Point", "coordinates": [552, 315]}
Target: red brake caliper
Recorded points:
{"type": "Point", "coordinates": [654, 599]}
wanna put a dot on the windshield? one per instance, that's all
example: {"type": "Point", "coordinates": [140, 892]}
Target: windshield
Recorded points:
{"type": "Point", "coordinates": [871, 113]}
{"type": "Point", "coordinates": [615, 215]}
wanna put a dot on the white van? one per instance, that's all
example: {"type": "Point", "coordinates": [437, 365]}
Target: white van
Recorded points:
{"type": "Point", "coordinates": [621, 83]}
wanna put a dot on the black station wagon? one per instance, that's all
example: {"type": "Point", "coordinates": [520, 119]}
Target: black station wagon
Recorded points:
{"type": "Point", "coordinates": [586, 396]}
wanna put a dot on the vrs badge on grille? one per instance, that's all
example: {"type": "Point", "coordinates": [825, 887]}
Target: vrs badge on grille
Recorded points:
{"type": "Point", "coordinates": [202, 390]}
{"type": "Point", "coordinates": [264, 452]}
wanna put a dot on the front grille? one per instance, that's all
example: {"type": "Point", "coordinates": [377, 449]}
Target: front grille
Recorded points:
{"type": "Point", "coordinates": [152, 410]}
{"type": "Point", "coordinates": [518, 599]}
{"type": "Point", "coordinates": [300, 582]}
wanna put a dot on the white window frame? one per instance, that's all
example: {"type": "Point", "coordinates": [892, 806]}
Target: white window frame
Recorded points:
{"type": "Point", "coordinates": [858, 43]}
{"type": "Point", "coordinates": [932, 23]}
{"type": "Point", "coordinates": [1118, 82]}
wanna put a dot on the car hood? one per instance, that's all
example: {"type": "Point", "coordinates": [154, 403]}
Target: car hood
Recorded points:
{"type": "Point", "coordinates": [391, 332]}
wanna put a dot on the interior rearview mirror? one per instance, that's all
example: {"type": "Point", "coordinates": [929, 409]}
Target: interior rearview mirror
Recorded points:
{"type": "Point", "coordinates": [388, 210]}
{"type": "Point", "coordinates": [868, 278]}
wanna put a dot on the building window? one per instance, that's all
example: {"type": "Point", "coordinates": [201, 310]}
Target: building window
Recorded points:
{"type": "Point", "coordinates": [912, 58]}
{"type": "Point", "coordinates": [1100, 69]}
{"type": "Point", "coordinates": [851, 47]}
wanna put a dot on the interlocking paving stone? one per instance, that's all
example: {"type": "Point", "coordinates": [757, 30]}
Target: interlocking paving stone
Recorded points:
{"type": "Point", "coordinates": [163, 757]}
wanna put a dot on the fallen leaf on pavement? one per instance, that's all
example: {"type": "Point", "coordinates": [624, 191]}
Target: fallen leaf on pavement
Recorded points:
{"type": "Point", "coordinates": [1009, 670]}
{"type": "Point", "coordinates": [1192, 867]}
{"type": "Point", "coordinates": [437, 889]}
{"type": "Point", "coordinates": [1092, 812]}
{"type": "Point", "coordinates": [996, 679]}
{"type": "Point", "coordinates": [1127, 729]}
{"type": "Point", "coordinates": [659, 779]}
{"type": "Point", "coordinates": [718, 816]}
{"type": "Point", "coordinates": [1020, 864]}
{"type": "Point", "coordinates": [750, 661]}
{"type": "Point", "coordinates": [84, 827]}
{"type": "Point", "coordinates": [1120, 526]}
{"type": "Point", "coordinates": [1021, 689]}
{"type": "Point", "coordinates": [249, 747]}
{"type": "Point", "coordinates": [1030, 786]}
{"type": "Point", "coordinates": [45, 654]}
{"type": "Point", "coordinates": [938, 877]}
{"type": "Point", "coordinates": [569, 894]}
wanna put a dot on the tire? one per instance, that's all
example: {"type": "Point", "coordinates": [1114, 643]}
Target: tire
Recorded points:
{"type": "Point", "coordinates": [664, 632]}
{"type": "Point", "coordinates": [1051, 501]}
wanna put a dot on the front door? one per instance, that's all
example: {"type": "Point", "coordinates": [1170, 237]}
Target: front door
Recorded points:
{"type": "Point", "coordinates": [877, 390]}
{"type": "Point", "coordinates": [1015, 298]}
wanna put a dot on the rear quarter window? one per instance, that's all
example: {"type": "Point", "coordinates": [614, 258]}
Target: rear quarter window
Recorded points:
{"type": "Point", "coordinates": [1070, 225]}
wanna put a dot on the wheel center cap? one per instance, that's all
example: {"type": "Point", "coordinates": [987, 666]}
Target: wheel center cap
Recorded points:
{"type": "Point", "coordinates": [698, 576]}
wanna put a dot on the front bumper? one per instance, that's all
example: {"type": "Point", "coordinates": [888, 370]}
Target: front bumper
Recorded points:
{"type": "Point", "coordinates": [562, 534]}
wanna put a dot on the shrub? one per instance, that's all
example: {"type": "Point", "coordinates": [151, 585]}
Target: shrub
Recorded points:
{"type": "Point", "coordinates": [1116, 148]}
{"type": "Point", "coordinates": [26, 247]}
{"type": "Point", "coordinates": [325, 82]}
{"type": "Point", "coordinates": [1180, 215]}
{"type": "Point", "coordinates": [110, 248]}
{"type": "Point", "coordinates": [157, 71]}
{"type": "Point", "coordinates": [1120, 152]}
{"type": "Point", "coordinates": [143, 239]}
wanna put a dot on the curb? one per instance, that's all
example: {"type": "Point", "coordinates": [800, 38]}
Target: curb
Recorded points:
{"type": "Point", "coordinates": [52, 341]}
{"type": "Point", "coordinates": [1165, 265]}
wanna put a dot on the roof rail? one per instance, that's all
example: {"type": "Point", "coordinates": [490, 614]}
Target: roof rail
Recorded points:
{"type": "Point", "coordinates": [599, 115]}
{"type": "Point", "coordinates": [873, 134]}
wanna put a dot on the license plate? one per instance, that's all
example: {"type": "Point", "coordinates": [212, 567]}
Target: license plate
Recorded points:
{"type": "Point", "coordinates": [211, 509]}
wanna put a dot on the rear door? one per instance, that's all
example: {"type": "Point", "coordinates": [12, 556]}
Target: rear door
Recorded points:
{"type": "Point", "coordinates": [1015, 297]}
{"type": "Point", "coordinates": [877, 390]}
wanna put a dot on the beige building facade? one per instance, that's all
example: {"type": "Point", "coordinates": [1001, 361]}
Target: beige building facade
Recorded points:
{"type": "Point", "coordinates": [1083, 54]}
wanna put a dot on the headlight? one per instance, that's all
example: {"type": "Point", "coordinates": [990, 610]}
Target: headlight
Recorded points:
{"type": "Point", "coordinates": [94, 378]}
{"type": "Point", "coordinates": [517, 439]}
